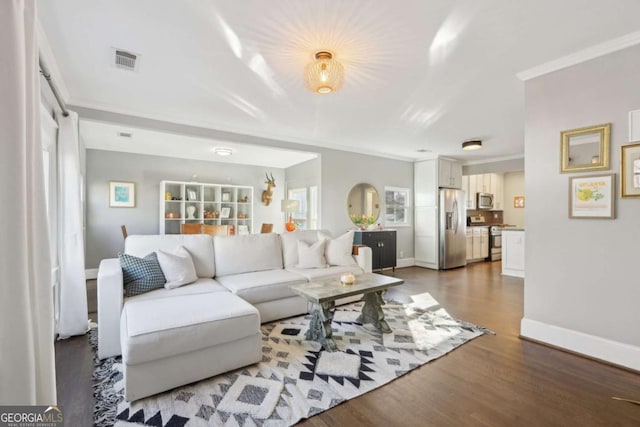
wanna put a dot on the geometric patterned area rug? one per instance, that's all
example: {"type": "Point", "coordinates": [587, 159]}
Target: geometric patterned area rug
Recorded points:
{"type": "Point", "coordinates": [296, 379]}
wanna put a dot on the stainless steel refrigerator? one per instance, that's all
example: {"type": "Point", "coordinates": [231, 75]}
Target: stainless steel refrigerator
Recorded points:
{"type": "Point", "coordinates": [453, 228]}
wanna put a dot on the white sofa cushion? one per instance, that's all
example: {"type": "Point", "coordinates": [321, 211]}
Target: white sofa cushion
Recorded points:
{"type": "Point", "coordinates": [158, 328]}
{"type": "Point", "coordinates": [339, 251]}
{"type": "Point", "coordinates": [326, 273]}
{"type": "Point", "coordinates": [177, 267]}
{"type": "Point", "coordinates": [311, 255]}
{"type": "Point", "coordinates": [200, 247]}
{"type": "Point", "coordinates": [257, 287]}
{"type": "Point", "coordinates": [200, 286]}
{"type": "Point", "coordinates": [290, 245]}
{"type": "Point", "coordinates": [244, 254]}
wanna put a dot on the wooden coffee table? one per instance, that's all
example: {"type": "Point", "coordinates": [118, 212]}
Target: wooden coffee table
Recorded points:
{"type": "Point", "coordinates": [323, 294]}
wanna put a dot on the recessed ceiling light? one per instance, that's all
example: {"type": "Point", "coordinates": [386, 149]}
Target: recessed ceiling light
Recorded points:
{"type": "Point", "coordinates": [223, 151]}
{"type": "Point", "coordinates": [474, 144]}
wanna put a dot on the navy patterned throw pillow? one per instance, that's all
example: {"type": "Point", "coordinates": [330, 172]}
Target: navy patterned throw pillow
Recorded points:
{"type": "Point", "coordinates": [141, 274]}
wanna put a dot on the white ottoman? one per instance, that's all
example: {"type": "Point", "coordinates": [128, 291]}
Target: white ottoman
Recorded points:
{"type": "Point", "coordinates": [169, 342]}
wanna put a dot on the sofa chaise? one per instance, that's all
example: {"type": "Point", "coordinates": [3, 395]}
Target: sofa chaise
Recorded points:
{"type": "Point", "coordinates": [171, 337]}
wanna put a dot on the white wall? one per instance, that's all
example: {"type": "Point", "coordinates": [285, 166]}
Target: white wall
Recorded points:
{"type": "Point", "coordinates": [582, 287]}
{"type": "Point", "coordinates": [103, 236]}
{"type": "Point", "coordinates": [513, 186]}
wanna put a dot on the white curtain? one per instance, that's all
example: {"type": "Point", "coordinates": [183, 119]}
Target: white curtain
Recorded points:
{"type": "Point", "coordinates": [73, 316]}
{"type": "Point", "coordinates": [27, 363]}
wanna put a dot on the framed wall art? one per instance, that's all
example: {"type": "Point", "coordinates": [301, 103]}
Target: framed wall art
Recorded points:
{"type": "Point", "coordinates": [518, 201]}
{"type": "Point", "coordinates": [592, 196]}
{"type": "Point", "coordinates": [585, 149]}
{"type": "Point", "coordinates": [224, 212]}
{"type": "Point", "coordinates": [630, 170]}
{"type": "Point", "coordinates": [122, 194]}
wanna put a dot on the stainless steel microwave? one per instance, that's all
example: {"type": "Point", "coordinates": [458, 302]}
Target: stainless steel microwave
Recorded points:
{"type": "Point", "coordinates": [484, 201]}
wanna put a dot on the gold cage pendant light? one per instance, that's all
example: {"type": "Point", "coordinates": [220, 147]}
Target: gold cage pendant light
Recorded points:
{"type": "Point", "coordinates": [325, 74]}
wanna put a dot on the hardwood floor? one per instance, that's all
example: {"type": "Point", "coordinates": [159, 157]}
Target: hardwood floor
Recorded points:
{"type": "Point", "coordinates": [496, 380]}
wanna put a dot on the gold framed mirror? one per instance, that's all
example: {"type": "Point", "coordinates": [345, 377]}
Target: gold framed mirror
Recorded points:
{"type": "Point", "coordinates": [363, 205]}
{"type": "Point", "coordinates": [585, 149]}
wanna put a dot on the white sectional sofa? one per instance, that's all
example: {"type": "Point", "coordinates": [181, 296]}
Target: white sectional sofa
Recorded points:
{"type": "Point", "coordinates": [168, 337]}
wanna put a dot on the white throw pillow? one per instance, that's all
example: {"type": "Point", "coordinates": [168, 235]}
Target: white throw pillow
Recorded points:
{"type": "Point", "coordinates": [338, 251]}
{"type": "Point", "coordinates": [311, 255]}
{"type": "Point", "coordinates": [178, 268]}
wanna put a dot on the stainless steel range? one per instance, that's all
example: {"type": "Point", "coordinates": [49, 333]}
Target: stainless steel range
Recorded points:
{"type": "Point", "coordinates": [495, 243]}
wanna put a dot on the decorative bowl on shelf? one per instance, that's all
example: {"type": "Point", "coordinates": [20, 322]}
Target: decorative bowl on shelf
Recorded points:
{"type": "Point", "coordinates": [347, 279]}
{"type": "Point", "coordinates": [172, 215]}
{"type": "Point", "coordinates": [211, 214]}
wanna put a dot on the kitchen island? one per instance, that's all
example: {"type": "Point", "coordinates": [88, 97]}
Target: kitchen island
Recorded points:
{"type": "Point", "coordinates": [513, 252]}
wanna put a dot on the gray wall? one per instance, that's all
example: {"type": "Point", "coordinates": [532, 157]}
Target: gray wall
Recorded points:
{"type": "Point", "coordinates": [342, 170]}
{"type": "Point", "coordinates": [305, 174]}
{"type": "Point", "coordinates": [510, 165]}
{"type": "Point", "coordinates": [581, 274]}
{"type": "Point", "coordinates": [103, 235]}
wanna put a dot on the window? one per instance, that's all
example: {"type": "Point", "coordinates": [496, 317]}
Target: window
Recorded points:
{"type": "Point", "coordinates": [397, 204]}
{"type": "Point", "coordinates": [307, 216]}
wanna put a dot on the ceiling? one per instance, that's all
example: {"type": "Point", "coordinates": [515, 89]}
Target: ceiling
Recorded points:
{"type": "Point", "coordinates": [107, 136]}
{"type": "Point", "coordinates": [424, 76]}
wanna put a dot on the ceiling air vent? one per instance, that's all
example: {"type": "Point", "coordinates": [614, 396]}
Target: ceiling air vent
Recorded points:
{"type": "Point", "coordinates": [126, 60]}
{"type": "Point", "coordinates": [125, 134]}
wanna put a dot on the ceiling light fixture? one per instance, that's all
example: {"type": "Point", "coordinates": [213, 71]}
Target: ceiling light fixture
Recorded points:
{"type": "Point", "coordinates": [474, 144]}
{"type": "Point", "coordinates": [223, 151]}
{"type": "Point", "coordinates": [325, 74]}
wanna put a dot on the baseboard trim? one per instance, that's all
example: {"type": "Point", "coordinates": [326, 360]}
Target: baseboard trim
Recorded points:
{"type": "Point", "coordinates": [514, 273]}
{"type": "Point", "coordinates": [405, 262]}
{"type": "Point", "coordinates": [91, 273]}
{"type": "Point", "coordinates": [425, 264]}
{"type": "Point", "coordinates": [601, 349]}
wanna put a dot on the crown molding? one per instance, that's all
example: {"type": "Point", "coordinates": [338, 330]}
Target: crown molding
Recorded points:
{"type": "Point", "coordinates": [45, 50]}
{"type": "Point", "coordinates": [584, 55]}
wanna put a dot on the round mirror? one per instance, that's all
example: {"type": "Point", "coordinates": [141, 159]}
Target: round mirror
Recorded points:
{"type": "Point", "coordinates": [363, 205]}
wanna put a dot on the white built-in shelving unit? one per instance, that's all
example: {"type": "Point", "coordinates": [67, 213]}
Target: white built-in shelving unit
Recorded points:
{"type": "Point", "coordinates": [176, 198]}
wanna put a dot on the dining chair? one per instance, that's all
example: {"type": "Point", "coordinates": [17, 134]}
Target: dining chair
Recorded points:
{"type": "Point", "coordinates": [191, 228]}
{"type": "Point", "coordinates": [215, 230]}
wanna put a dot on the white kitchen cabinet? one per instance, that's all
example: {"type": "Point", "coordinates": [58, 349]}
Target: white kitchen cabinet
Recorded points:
{"type": "Point", "coordinates": [484, 243]}
{"type": "Point", "coordinates": [469, 244]}
{"type": "Point", "coordinates": [449, 174]}
{"type": "Point", "coordinates": [497, 189]}
{"type": "Point", "coordinates": [513, 252]}
{"type": "Point", "coordinates": [492, 183]}
{"type": "Point", "coordinates": [469, 187]}
{"type": "Point", "coordinates": [426, 244]}
{"type": "Point", "coordinates": [483, 183]}
{"type": "Point", "coordinates": [479, 244]}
